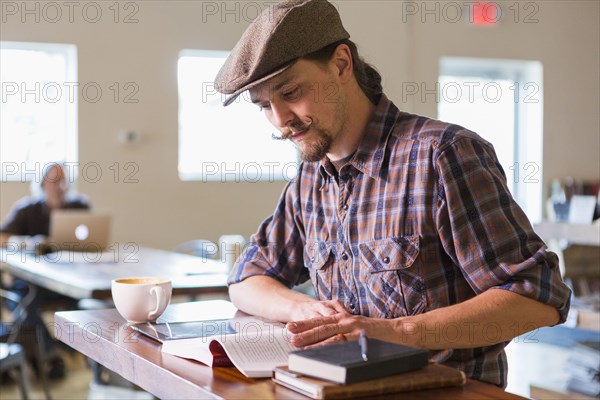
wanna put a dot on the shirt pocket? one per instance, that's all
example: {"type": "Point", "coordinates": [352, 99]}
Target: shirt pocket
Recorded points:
{"type": "Point", "coordinates": [319, 260]}
{"type": "Point", "coordinates": [395, 285]}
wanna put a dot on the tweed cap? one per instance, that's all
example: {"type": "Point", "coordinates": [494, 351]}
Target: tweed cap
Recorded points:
{"type": "Point", "coordinates": [280, 35]}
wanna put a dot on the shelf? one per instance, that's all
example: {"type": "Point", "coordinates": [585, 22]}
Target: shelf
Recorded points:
{"type": "Point", "coordinates": [579, 234]}
{"type": "Point", "coordinates": [539, 392]}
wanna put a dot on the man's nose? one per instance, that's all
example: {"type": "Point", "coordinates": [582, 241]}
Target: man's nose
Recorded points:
{"type": "Point", "coordinates": [282, 115]}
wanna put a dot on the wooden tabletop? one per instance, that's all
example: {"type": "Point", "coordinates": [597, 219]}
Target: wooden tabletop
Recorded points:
{"type": "Point", "coordinates": [104, 336]}
{"type": "Point", "coordinates": [82, 277]}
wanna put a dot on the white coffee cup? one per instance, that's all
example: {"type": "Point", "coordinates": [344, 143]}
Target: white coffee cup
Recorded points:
{"type": "Point", "coordinates": [141, 299]}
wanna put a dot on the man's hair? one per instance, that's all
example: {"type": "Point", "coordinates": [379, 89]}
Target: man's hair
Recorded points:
{"type": "Point", "coordinates": [367, 76]}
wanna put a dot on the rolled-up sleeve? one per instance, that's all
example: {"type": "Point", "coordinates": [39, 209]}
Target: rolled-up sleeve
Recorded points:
{"type": "Point", "coordinates": [487, 234]}
{"type": "Point", "coordinates": [276, 249]}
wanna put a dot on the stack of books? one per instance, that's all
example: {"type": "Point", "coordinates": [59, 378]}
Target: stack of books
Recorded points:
{"type": "Point", "coordinates": [584, 368]}
{"type": "Point", "coordinates": [343, 370]}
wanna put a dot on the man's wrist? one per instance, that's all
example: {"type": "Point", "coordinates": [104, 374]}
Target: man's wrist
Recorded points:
{"type": "Point", "coordinates": [298, 309]}
{"type": "Point", "coordinates": [408, 331]}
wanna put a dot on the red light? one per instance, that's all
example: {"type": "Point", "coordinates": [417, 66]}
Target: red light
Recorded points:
{"type": "Point", "coordinates": [485, 13]}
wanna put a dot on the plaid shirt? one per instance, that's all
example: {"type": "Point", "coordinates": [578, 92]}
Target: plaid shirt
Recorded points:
{"type": "Point", "coordinates": [421, 218]}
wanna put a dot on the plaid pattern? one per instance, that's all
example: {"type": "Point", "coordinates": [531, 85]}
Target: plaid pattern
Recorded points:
{"type": "Point", "coordinates": [421, 219]}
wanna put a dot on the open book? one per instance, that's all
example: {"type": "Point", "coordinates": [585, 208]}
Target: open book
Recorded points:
{"type": "Point", "coordinates": [253, 345]}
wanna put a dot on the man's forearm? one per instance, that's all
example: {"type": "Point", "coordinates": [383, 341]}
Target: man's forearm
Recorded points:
{"type": "Point", "coordinates": [266, 297]}
{"type": "Point", "coordinates": [489, 318]}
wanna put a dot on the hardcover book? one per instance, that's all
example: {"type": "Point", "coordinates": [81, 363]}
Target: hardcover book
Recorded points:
{"type": "Point", "coordinates": [431, 377]}
{"type": "Point", "coordinates": [343, 362]}
{"type": "Point", "coordinates": [254, 346]}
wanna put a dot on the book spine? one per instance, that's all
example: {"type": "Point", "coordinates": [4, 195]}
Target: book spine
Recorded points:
{"type": "Point", "coordinates": [221, 361]}
{"type": "Point", "coordinates": [438, 379]}
{"type": "Point", "coordinates": [369, 371]}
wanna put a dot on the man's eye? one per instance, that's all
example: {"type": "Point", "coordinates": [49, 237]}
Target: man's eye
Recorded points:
{"type": "Point", "coordinates": [263, 107]}
{"type": "Point", "coordinates": [292, 94]}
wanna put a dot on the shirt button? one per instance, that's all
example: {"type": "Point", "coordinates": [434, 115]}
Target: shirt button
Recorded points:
{"type": "Point", "coordinates": [345, 207]}
{"type": "Point", "coordinates": [386, 260]}
{"type": "Point", "coordinates": [352, 306]}
{"type": "Point", "coordinates": [344, 256]}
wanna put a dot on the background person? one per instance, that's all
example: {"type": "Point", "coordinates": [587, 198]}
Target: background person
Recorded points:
{"type": "Point", "coordinates": [31, 217]}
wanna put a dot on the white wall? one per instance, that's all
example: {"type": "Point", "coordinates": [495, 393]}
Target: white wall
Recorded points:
{"type": "Point", "coordinates": [162, 211]}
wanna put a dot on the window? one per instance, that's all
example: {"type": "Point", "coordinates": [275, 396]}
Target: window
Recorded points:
{"type": "Point", "coordinates": [232, 144]}
{"type": "Point", "coordinates": [39, 108]}
{"type": "Point", "coordinates": [502, 101]}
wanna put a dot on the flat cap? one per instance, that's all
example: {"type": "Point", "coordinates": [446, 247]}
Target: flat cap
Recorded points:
{"type": "Point", "coordinates": [280, 35]}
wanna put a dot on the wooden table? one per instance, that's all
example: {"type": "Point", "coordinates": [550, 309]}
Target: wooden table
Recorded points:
{"type": "Point", "coordinates": [91, 277]}
{"type": "Point", "coordinates": [105, 337]}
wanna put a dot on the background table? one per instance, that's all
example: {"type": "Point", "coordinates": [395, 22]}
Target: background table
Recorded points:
{"type": "Point", "coordinates": [105, 337]}
{"type": "Point", "coordinates": [92, 279]}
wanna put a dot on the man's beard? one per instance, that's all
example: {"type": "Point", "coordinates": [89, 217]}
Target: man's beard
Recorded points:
{"type": "Point", "coordinates": [318, 148]}
{"type": "Point", "coordinates": [321, 139]}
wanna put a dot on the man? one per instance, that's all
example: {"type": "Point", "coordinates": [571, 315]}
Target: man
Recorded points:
{"type": "Point", "coordinates": [31, 217]}
{"type": "Point", "coordinates": [404, 224]}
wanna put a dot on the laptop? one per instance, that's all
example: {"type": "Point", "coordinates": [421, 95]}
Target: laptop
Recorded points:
{"type": "Point", "coordinates": [78, 231]}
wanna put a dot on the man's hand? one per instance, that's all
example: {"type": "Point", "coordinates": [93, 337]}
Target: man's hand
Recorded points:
{"type": "Point", "coordinates": [508, 313]}
{"type": "Point", "coordinates": [316, 309]}
{"type": "Point", "coordinates": [266, 297]}
{"type": "Point", "coordinates": [340, 327]}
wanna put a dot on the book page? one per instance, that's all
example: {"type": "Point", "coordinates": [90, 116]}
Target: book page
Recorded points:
{"type": "Point", "coordinates": [257, 347]}
{"type": "Point", "coordinates": [194, 348]}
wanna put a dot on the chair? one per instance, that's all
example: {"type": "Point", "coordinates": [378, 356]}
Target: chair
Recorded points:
{"type": "Point", "coordinates": [12, 332]}
{"type": "Point", "coordinates": [199, 248]}
{"type": "Point", "coordinates": [203, 248]}
{"type": "Point", "coordinates": [12, 355]}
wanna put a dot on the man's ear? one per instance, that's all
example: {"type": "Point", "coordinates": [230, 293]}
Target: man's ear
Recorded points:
{"type": "Point", "coordinates": [342, 57]}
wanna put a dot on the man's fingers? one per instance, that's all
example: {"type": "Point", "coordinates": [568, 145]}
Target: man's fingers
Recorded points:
{"type": "Point", "coordinates": [326, 311]}
{"type": "Point", "coordinates": [338, 306]}
{"type": "Point", "coordinates": [326, 308]}
{"type": "Point", "coordinates": [301, 326]}
{"type": "Point", "coordinates": [315, 335]}
{"type": "Point", "coordinates": [322, 329]}
{"type": "Point", "coordinates": [331, 340]}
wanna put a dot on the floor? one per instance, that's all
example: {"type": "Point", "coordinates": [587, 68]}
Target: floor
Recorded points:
{"type": "Point", "coordinates": [75, 386]}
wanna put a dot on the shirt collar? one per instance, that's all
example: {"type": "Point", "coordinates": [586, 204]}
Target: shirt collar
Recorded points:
{"type": "Point", "coordinates": [369, 155]}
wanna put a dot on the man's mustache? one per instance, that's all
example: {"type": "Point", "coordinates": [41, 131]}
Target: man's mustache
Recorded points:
{"type": "Point", "coordinates": [292, 129]}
